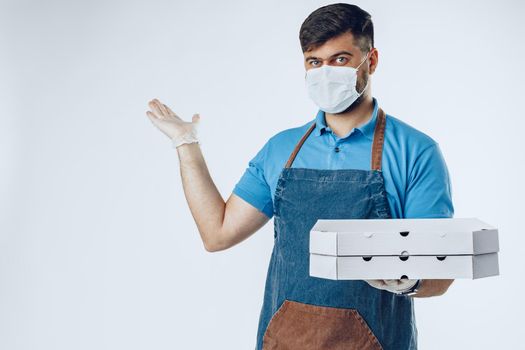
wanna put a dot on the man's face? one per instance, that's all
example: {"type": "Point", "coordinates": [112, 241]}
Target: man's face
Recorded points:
{"type": "Point", "coordinates": [343, 51]}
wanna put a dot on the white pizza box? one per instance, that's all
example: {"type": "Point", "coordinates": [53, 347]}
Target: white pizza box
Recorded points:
{"type": "Point", "coordinates": [443, 236]}
{"type": "Point", "coordinates": [396, 267]}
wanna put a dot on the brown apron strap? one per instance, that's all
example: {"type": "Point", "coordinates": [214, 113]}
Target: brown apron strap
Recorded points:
{"type": "Point", "coordinates": [377, 146]}
{"type": "Point", "coordinates": [379, 137]}
{"type": "Point", "coordinates": [299, 144]}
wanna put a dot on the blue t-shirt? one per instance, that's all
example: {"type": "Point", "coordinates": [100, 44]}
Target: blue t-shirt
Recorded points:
{"type": "Point", "coordinates": [414, 170]}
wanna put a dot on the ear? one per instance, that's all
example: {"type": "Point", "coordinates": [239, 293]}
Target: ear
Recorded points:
{"type": "Point", "coordinates": [373, 60]}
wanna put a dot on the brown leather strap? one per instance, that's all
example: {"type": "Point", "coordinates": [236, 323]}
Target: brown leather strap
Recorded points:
{"type": "Point", "coordinates": [377, 146]}
{"type": "Point", "coordinates": [379, 138]}
{"type": "Point", "coordinates": [299, 145]}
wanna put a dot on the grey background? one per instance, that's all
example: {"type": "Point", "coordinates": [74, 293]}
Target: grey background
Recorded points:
{"type": "Point", "coordinates": [98, 249]}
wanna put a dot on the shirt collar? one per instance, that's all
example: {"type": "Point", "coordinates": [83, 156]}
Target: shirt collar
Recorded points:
{"type": "Point", "coordinates": [366, 129]}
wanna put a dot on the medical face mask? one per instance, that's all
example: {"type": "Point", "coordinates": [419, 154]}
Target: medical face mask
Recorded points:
{"type": "Point", "coordinates": [333, 88]}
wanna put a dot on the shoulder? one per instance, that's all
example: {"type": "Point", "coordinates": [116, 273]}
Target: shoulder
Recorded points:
{"type": "Point", "coordinates": [279, 146]}
{"type": "Point", "coordinates": [402, 135]}
{"type": "Point", "coordinates": [286, 139]}
{"type": "Point", "coordinates": [408, 150]}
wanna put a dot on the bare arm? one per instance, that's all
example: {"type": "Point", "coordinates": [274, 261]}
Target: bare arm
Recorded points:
{"type": "Point", "coordinates": [221, 224]}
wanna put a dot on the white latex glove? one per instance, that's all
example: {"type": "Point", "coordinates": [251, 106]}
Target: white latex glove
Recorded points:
{"type": "Point", "coordinates": [394, 286]}
{"type": "Point", "coordinates": [178, 130]}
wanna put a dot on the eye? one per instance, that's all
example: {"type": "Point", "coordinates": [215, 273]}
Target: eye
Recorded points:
{"type": "Point", "coordinates": [341, 59]}
{"type": "Point", "coordinates": [312, 62]}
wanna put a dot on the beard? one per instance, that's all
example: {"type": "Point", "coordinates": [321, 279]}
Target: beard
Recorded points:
{"type": "Point", "coordinates": [360, 85]}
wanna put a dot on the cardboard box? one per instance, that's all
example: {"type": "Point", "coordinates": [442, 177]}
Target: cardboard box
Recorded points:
{"type": "Point", "coordinates": [446, 248]}
{"type": "Point", "coordinates": [450, 236]}
{"type": "Point", "coordinates": [392, 267]}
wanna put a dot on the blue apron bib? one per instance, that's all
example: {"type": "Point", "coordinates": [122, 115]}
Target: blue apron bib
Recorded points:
{"type": "Point", "coordinates": [303, 312]}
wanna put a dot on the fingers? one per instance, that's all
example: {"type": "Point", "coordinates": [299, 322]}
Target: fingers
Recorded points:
{"type": "Point", "coordinates": [151, 115]}
{"type": "Point", "coordinates": [392, 282]}
{"type": "Point", "coordinates": [376, 283]}
{"type": "Point", "coordinates": [153, 118]}
{"type": "Point", "coordinates": [169, 111]}
{"type": "Point", "coordinates": [162, 107]}
{"type": "Point", "coordinates": [161, 111]}
{"type": "Point", "coordinates": [155, 110]}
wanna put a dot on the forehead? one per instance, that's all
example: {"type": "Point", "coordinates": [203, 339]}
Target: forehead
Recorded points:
{"type": "Point", "coordinates": [343, 42]}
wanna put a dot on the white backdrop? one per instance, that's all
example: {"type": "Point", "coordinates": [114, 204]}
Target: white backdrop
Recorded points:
{"type": "Point", "coordinates": [98, 249]}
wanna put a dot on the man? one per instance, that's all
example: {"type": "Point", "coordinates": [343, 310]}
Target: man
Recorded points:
{"type": "Point", "coordinates": [351, 161]}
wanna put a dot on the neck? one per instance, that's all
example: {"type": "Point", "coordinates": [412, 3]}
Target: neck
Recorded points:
{"type": "Point", "coordinates": [342, 123]}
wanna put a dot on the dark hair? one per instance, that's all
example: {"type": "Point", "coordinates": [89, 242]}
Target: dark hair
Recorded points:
{"type": "Point", "coordinates": [333, 20]}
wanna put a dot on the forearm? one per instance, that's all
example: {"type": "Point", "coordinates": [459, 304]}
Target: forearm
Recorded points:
{"type": "Point", "coordinates": [432, 287]}
{"type": "Point", "coordinates": [205, 202]}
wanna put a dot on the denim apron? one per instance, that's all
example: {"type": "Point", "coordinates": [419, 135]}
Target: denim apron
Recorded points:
{"type": "Point", "coordinates": [302, 312]}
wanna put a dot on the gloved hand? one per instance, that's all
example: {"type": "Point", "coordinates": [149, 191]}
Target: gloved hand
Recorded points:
{"type": "Point", "coordinates": [394, 286]}
{"type": "Point", "coordinates": [178, 130]}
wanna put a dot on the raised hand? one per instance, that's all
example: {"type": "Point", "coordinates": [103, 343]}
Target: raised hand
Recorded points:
{"type": "Point", "coordinates": [178, 130]}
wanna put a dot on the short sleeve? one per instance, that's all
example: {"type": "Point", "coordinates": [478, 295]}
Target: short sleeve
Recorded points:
{"type": "Point", "coordinates": [253, 187]}
{"type": "Point", "coordinates": [429, 192]}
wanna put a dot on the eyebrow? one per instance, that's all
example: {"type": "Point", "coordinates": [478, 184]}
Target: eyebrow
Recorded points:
{"type": "Point", "coordinates": [335, 54]}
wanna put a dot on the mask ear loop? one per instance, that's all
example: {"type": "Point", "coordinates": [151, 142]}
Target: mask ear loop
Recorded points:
{"type": "Point", "coordinates": [366, 85]}
{"type": "Point", "coordinates": [366, 57]}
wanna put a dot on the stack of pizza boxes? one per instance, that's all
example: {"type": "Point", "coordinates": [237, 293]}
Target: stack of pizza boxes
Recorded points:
{"type": "Point", "coordinates": [446, 248]}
